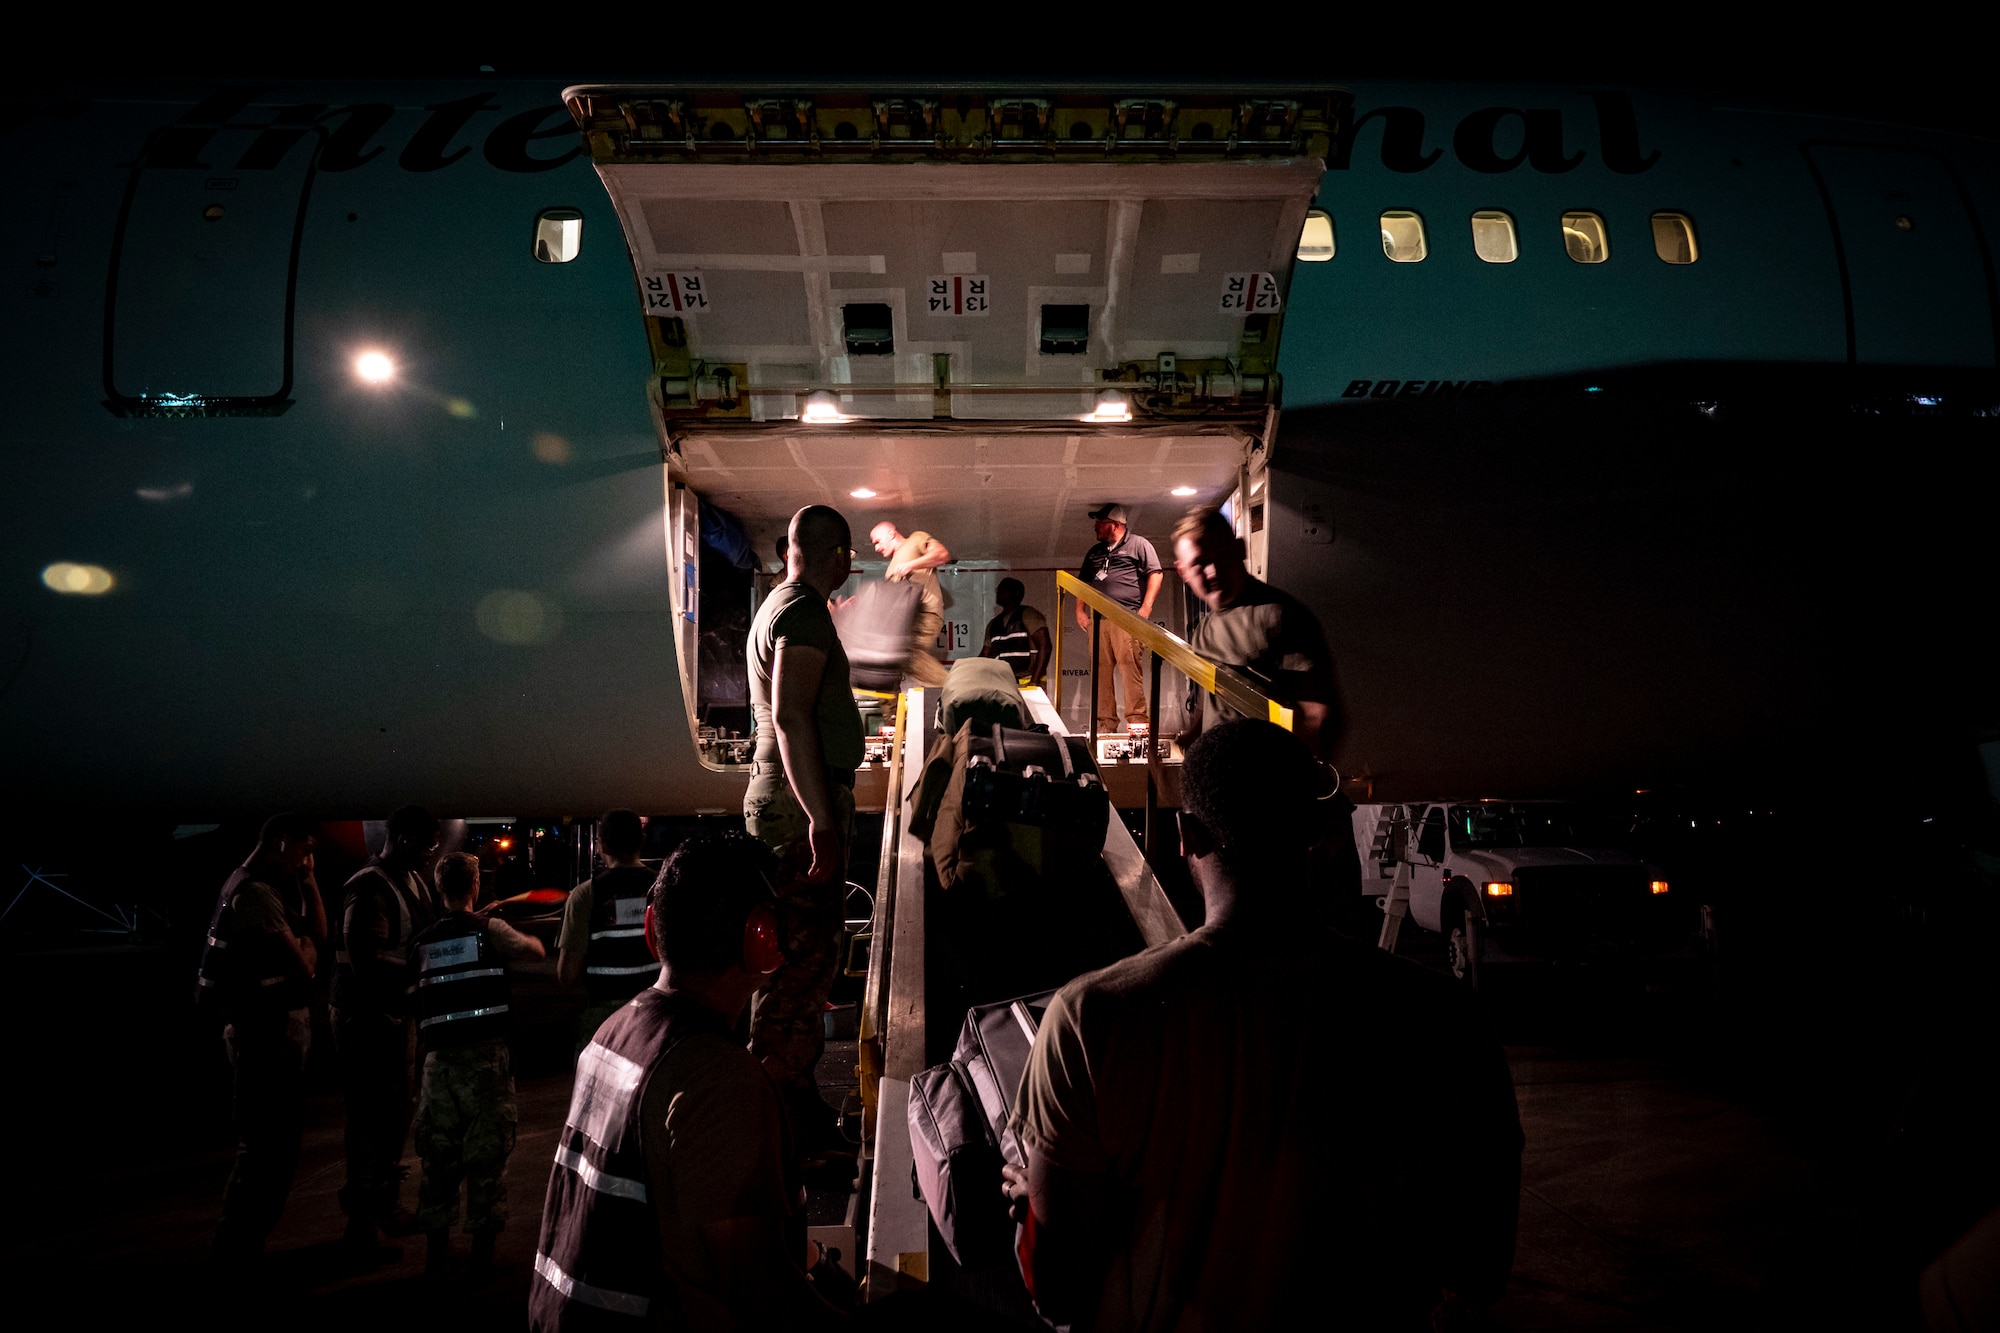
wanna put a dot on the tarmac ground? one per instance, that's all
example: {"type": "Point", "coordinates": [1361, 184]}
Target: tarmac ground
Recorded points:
{"type": "Point", "coordinates": [1696, 1158]}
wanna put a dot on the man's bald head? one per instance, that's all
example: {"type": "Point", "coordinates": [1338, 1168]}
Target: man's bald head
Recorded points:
{"type": "Point", "coordinates": [822, 547]}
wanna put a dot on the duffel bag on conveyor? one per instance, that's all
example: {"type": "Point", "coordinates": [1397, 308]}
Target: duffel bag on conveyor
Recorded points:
{"type": "Point", "coordinates": [1019, 805]}
{"type": "Point", "coordinates": [960, 1130]}
{"type": "Point", "coordinates": [981, 689]}
{"type": "Point", "coordinates": [875, 626]}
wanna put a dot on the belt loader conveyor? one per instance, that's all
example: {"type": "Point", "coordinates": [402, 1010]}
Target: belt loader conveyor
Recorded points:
{"type": "Point", "coordinates": [892, 1045]}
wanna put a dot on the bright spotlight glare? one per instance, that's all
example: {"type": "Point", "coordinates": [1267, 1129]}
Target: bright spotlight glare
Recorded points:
{"type": "Point", "coordinates": [862, 493]}
{"type": "Point", "coordinates": [1182, 491]}
{"type": "Point", "coordinates": [374, 367]}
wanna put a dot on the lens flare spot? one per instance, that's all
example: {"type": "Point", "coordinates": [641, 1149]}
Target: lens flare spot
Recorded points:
{"type": "Point", "coordinates": [513, 616]}
{"type": "Point", "coordinates": [374, 367]}
{"type": "Point", "coordinates": [551, 448]}
{"type": "Point", "coordinates": [461, 408]}
{"type": "Point", "coordinates": [78, 580]}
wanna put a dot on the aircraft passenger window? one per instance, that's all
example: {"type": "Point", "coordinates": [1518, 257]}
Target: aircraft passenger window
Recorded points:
{"type": "Point", "coordinates": [1493, 237]}
{"type": "Point", "coordinates": [1403, 237]}
{"type": "Point", "coordinates": [870, 329]}
{"type": "Point", "coordinates": [1585, 239]}
{"type": "Point", "coordinates": [1065, 329]}
{"type": "Point", "coordinates": [1316, 241]}
{"type": "Point", "coordinates": [558, 235]}
{"type": "Point", "coordinates": [1673, 238]}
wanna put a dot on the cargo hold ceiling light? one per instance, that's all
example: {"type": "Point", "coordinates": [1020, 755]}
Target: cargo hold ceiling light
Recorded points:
{"type": "Point", "coordinates": [374, 368]}
{"type": "Point", "coordinates": [821, 407]}
{"type": "Point", "coordinates": [862, 493]}
{"type": "Point", "coordinates": [1182, 491]}
{"type": "Point", "coordinates": [1111, 406]}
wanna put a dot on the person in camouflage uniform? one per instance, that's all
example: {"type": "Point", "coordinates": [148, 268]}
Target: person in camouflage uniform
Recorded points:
{"type": "Point", "coordinates": [466, 1111]}
{"type": "Point", "coordinates": [466, 1118]}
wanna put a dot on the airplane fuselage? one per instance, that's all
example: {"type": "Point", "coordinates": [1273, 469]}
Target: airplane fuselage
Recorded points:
{"type": "Point", "coordinates": [332, 597]}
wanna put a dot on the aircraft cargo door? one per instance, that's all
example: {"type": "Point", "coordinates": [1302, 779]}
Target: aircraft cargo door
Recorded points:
{"type": "Point", "coordinates": [1918, 285]}
{"type": "Point", "coordinates": [198, 315]}
{"type": "Point", "coordinates": [978, 315]}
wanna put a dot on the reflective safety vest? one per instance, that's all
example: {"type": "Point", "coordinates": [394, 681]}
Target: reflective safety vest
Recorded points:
{"type": "Point", "coordinates": [252, 976]}
{"type": "Point", "coordinates": [458, 984]}
{"type": "Point", "coordinates": [378, 990]}
{"type": "Point", "coordinates": [1011, 642]}
{"type": "Point", "coordinates": [617, 963]}
{"type": "Point", "coordinates": [597, 1265]}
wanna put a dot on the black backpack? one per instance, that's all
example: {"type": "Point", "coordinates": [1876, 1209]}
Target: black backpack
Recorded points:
{"type": "Point", "coordinates": [960, 1132]}
{"type": "Point", "coordinates": [999, 807]}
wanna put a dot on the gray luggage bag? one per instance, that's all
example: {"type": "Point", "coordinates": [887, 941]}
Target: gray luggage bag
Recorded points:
{"type": "Point", "coordinates": [959, 1130]}
{"type": "Point", "coordinates": [875, 626]}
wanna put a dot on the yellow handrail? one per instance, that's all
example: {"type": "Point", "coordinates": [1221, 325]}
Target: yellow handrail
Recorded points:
{"type": "Point", "coordinates": [1224, 682]}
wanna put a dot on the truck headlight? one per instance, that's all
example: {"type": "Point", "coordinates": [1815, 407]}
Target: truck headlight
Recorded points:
{"type": "Point", "coordinates": [1658, 886]}
{"type": "Point", "coordinates": [1497, 888]}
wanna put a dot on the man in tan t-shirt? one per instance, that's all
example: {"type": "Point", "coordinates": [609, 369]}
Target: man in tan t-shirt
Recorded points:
{"type": "Point", "coordinates": [1204, 1121]}
{"type": "Point", "coordinates": [916, 558]}
{"type": "Point", "coordinates": [1254, 627]}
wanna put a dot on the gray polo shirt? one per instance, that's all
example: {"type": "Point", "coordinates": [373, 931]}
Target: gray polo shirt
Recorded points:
{"type": "Point", "coordinates": [1120, 572]}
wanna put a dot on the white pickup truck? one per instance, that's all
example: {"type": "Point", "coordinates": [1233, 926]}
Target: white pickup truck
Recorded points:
{"type": "Point", "coordinates": [1506, 881]}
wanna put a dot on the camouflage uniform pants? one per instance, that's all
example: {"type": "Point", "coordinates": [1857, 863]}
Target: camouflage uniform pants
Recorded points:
{"type": "Point", "coordinates": [466, 1116]}
{"type": "Point", "coordinates": [788, 1017]}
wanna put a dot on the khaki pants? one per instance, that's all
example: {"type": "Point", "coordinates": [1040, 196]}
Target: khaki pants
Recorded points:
{"type": "Point", "coordinates": [924, 669]}
{"type": "Point", "coordinates": [788, 1017]}
{"type": "Point", "coordinates": [1120, 656]}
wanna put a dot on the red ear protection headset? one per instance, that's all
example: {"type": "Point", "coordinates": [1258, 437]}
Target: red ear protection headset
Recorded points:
{"type": "Point", "coordinates": [763, 942]}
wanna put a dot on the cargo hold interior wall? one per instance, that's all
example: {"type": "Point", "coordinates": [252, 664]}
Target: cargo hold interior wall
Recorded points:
{"type": "Point", "coordinates": [1006, 506]}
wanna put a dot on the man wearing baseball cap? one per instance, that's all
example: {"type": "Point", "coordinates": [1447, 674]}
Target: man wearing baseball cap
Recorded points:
{"type": "Point", "coordinates": [1124, 567]}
